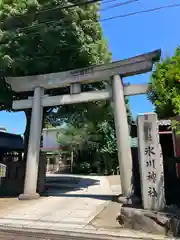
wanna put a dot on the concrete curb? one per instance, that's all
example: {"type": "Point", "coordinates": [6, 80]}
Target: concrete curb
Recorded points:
{"type": "Point", "coordinates": [97, 211]}
{"type": "Point", "coordinates": [86, 233]}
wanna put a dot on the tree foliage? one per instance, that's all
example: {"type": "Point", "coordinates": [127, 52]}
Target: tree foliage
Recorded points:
{"type": "Point", "coordinates": [165, 86]}
{"type": "Point", "coordinates": [39, 37]}
{"type": "Point", "coordinates": [6, 95]}
{"type": "Point", "coordinates": [91, 144]}
{"type": "Point", "coordinates": [74, 138]}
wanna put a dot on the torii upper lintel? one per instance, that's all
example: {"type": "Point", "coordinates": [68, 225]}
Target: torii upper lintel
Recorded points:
{"type": "Point", "coordinates": [127, 67]}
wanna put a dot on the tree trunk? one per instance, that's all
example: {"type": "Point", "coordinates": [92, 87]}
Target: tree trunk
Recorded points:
{"type": "Point", "coordinates": [27, 132]}
{"type": "Point", "coordinates": [43, 122]}
{"type": "Point", "coordinates": [72, 160]}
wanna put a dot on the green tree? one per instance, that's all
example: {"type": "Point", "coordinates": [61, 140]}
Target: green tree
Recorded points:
{"type": "Point", "coordinates": [73, 140]}
{"type": "Point", "coordinates": [165, 86]}
{"type": "Point", "coordinates": [37, 40]}
{"type": "Point", "coordinates": [92, 137]}
{"type": "Point", "coordinates": [39, 37]}
{"type": "Point", "coordinates": [6, 95]}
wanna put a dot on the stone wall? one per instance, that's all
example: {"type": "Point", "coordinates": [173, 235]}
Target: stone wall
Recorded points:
{"type": "Point", "coordinates": [13, 183]}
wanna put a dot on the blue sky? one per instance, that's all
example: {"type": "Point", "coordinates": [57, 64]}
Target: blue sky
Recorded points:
{"type": "Point", "coordinates": [128, 37]}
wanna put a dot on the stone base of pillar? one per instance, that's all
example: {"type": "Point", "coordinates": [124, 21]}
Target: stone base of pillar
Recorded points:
{"type": "Point", "coordinates": [133, 200]}
{"type": "Point", "coordinates": [33, 196]}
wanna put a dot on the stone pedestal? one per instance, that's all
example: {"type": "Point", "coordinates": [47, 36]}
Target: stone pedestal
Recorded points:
{"type": "Point", "coordinates": [31, 196]}
{"type": "Point", "coordinates": [149, 221]}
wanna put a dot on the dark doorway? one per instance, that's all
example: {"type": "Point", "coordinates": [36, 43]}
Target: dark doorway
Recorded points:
{"type": "Point", "coordinates": [167, 145]}
{"type": "Point", "coordinates": [172, 183]}
{"type": "Point", "coordinates": [11, 149]}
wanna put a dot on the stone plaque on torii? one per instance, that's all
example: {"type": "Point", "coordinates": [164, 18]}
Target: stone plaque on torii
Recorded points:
{"type": "Point", "coordinates": [114, 71]}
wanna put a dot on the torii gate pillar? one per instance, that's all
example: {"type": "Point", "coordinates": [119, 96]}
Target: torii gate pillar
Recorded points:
{"type": "Point", "coordinates": [122, 136]}
{"type": "Point", "coordinates": [32, 164]}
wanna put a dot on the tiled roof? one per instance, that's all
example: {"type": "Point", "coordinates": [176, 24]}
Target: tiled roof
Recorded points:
{"type": "Point", "coordinates": [10, 141]}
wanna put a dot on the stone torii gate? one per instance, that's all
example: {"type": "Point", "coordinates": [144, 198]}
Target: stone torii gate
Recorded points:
{"type": "Point", "coordinates": [114, 71]}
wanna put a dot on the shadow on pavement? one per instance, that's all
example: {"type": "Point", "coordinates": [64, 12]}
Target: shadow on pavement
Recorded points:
{"type": "Point", "coordinates": [63, 185]}
{"type": "Point", "coordinates": [70, 179]}
{"type": "Point", "coordinates": [94, 196]}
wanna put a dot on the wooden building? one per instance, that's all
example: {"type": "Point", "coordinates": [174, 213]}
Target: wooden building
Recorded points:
{"type": "Point", "coordinates": [11, 155]}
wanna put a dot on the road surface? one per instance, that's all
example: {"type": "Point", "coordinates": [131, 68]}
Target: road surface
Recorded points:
{"type": "Point", "coordinates": [24, 235]}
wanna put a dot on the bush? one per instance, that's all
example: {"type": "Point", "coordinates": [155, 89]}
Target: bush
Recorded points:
{"type": "Point", "coordinates": [83, 168]}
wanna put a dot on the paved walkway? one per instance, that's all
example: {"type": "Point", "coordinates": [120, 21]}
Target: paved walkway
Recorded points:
{"type": "Point", "coordinates": [62, 208]}
{"type": "Point", "coordinates": [70, 204]}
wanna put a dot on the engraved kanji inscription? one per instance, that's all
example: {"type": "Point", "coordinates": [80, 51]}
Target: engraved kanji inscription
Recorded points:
{"type": "Point", "coordinates": [150, 163]}
{"type": "Point", "coordinates": [152, 192]}
{"type": "Point", "coordinates": [151, 177]}
{"type": "Point", "coordinates": [84, 71]}
{"type": "Point", "coordinates": [149, 137]}
{"type": "Point", "coordinates": [148, 131]}
{"type": "Point", "coordinates": [149, 151]}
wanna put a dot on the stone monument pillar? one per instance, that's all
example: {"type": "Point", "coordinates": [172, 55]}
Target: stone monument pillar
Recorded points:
{"type": "Point", "coordinates": [151, 163]}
